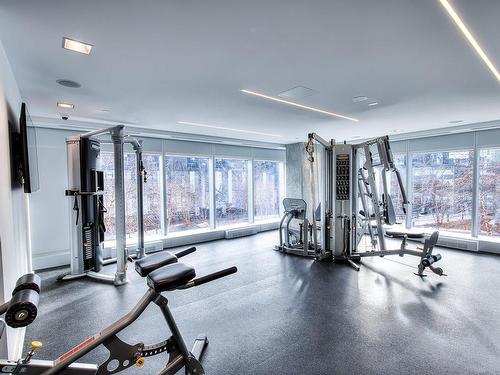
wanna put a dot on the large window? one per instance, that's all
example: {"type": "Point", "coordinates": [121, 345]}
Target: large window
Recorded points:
{"type": "Point", "coordinates": [266, 177]}
{"type": "Point", "coordinates": [231, 191]}
{"type": "Point", "coordinates": [489, 192]}
{"type": "Point", "coordinates": [178, 195]}
{"type": "Point", "coordinates": [397, 199]}
{"type": "Point", "coordinates": [187, 192]}
{"type": "Point", "coordinates": [151, 204]}
{"type": "Point", "coordinates": [107, 165]}
{"type": "Point", "coordinates": [152, 195]}
{"type": "Point", "coordinates": [442, 190]}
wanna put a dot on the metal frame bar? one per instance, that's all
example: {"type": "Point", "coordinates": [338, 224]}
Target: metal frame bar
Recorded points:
{"type": "Point", "coordinates": [120, 225]}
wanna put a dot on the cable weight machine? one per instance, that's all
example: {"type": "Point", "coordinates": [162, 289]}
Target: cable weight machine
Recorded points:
{"type": "Point", "coordinates": [344, 180]}
{"type": "Point", "coordinates": [86, 189]}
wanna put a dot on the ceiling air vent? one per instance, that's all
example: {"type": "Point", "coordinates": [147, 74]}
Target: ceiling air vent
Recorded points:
{"type": "Point", "coordinates": [298, 92]}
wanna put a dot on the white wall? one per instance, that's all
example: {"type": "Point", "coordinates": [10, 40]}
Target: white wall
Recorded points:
{"type": "Point", "coordinates": [14, 240]}
{"type": "Point", "coordinates": [48, 206]}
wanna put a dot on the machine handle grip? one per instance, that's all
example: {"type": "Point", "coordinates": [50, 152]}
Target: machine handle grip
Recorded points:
{"type": "Point", "coordinates": [404, 198]}
{"type": "Point", "coordinates": [214, 276]}
{"type": "Point", "coordinates": [4, 307]}
{"type": "Point", "coordinates": [28, 281]}
{"type": "Point", "coordinates": [2, 327]}
{"type": "Point", "coordinates": [183, 253]}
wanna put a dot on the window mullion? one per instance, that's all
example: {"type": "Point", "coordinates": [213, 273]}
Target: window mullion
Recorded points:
{"type": "Point", "coordinates": [211, 191]}
{"type": "Point", "coordinates": [251, 195]}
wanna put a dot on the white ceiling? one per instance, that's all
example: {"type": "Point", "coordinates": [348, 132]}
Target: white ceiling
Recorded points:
{"type": "Point", "coordinates": [158, 62]}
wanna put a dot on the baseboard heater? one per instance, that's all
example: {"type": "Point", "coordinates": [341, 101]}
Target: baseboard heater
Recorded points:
{"type": "Point", "coordinates": [458, 243]}
{"type": "Point", "coordinates": [240, 232]}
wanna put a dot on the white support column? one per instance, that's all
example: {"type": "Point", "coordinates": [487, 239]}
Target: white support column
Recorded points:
{"type": "Point", "coordinates": [211, 190]}
{"type": "Point", "coordinates": [282, 185]}
{"type": "Point", "coordinates": [163, 197]}
{"type": "Point", "coordinates": [476, 219]}
{"type": "Point", "coordinates": [251, 187]}
{"type": "Point", "coordinates": [164, 221]}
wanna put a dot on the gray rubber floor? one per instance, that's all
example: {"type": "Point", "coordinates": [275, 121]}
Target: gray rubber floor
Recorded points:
{"type": "Point", "coordinates": [282, 314]}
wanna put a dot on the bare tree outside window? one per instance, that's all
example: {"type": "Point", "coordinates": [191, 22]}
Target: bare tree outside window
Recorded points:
{"type": "Point", "coordinates": [231, 191]}
{"type": "Point", "coordinates": [442, 190]}
{"type": "Point", "coordinates": [152, 208]}
{"type": "Point", "coordinates": [267, 182]}
{"type": "Point", "coordinates": [187, 193]}
{"type": "Point", "coordinates": [489, 192]}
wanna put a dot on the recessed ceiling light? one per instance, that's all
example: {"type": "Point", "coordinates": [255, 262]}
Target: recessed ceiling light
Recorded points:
{"type": "Point", "coordinates": [298, 105]}
{"type": "Point", "coordinates": [77, 46]}
{"type": "Point", "coordinates": [456, 121]}
{"type": "Point", "coordinates": [358, 99]}
{"type": "Point", "coordinates": [68, 83]}
{"type": "Point", "coordinates": [65, 105]}
{"type": "Point", "coordinates": [372, 104]}
{"type": "Point", "coordinates": [224, 128]}
{"type": "Point", "coordinates": [458, 21]}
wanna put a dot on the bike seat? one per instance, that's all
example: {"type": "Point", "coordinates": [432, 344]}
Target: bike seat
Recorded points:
{"type": "Point", "coordinates": [152, 262]}
{"type": "Point", "coordinates": [170, 277]}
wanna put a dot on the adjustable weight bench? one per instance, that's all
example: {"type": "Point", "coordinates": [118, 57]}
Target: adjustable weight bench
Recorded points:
{"type": "Point", "coordinates": [145, 266]}
{"type": "Point", "coordinates": [163, 273]}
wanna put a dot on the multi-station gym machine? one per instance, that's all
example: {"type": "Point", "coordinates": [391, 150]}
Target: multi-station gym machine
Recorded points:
{"type": "Point", "coordinates": [344, 190]}
{"type": "Point", "coordinates": [86, 189]}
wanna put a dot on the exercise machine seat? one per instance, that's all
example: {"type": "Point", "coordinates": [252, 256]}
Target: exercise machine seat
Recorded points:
{"type": "Point", "coordinates": [152, 262]}
{"type": "Point", "coordinates": [170, 277]}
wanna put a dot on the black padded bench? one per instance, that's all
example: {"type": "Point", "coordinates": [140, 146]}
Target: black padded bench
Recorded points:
{"type": "Point", "coordinates": [154, 261]}
{"type": "Point", "coordinates": [170, 277]}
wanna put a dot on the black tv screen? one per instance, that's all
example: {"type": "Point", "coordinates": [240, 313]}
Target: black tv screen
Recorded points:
{"type": "Point", "coordinates": [29, 152]}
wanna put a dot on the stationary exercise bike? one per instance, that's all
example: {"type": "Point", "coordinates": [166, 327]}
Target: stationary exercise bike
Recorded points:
{"type": "Point", "coordinates": [163, 273]}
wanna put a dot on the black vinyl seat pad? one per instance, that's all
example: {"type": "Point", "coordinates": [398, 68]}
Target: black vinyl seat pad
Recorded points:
{"type": "Point", "coordinates": [170, 277]}
{"type": "Point", "coordinates": [152, 262]}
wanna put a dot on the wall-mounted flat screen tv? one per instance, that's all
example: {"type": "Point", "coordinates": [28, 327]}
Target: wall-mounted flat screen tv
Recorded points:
{"type": "Point", "coordinates": [29, 151]}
